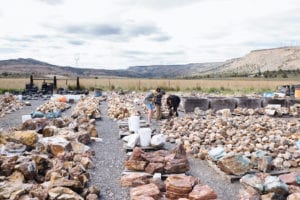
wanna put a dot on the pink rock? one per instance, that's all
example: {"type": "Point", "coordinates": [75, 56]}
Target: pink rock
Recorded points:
{"type": "Point", "coordinates": [290, 178]}
{"type": "Point", "coordinates": [202, 192]}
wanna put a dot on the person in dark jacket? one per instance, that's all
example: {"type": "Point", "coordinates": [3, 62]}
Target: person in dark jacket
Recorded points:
{"type": "Point", "coordinates": [173, 102]}
{"type": "Point", "coordinates": [158, 104]}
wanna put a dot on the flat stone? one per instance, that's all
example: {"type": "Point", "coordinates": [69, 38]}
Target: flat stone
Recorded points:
{"type": "Point", "coordinates": [202, 192]}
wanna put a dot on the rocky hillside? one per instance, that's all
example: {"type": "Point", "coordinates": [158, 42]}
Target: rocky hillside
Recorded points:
{"type": "Point", "coordinates": [285, 58]}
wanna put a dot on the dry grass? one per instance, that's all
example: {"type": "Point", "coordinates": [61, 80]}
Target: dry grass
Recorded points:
{"type": "Point", "coordinates": [206, 85]}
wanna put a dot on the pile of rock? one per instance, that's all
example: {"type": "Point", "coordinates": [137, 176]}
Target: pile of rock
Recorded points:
{"type": "Point", "coordinates": [265, 186]}
{"type": "Point", "coordinates": [87, 106]}
{"type": "Point", "coordinates": [8, 104]}
{"type": "Point", "coordinates": [175, 187]}
{"type": "Point", "coordinates": [160, 161]}
{"type": "Point", "coordinates": [250, 135]}
{"type": "Point", "coordinates": [120, 107]}
{"type": "Point", "coordinates": [48, 159]}
{"type": "Point", "coordinates": [52, 106]}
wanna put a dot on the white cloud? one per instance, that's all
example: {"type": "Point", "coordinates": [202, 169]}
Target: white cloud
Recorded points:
{"type": "Point", "coordinates": [121, 33]}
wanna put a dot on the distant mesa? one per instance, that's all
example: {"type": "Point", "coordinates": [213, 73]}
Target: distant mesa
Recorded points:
{"type": "Point", "coordinates": [283, 58]}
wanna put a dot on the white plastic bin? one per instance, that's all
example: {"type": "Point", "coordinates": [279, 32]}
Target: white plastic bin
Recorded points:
{"type": "Point", "coordinates": [134, 123]}
{"type": "Point", "coordinates": [25, 118]}
{"type": "Point", "coordinates": [145, 136]}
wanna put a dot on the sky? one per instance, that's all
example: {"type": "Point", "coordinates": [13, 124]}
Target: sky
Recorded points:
{"type": "Point", "coordinates": [116, 34]}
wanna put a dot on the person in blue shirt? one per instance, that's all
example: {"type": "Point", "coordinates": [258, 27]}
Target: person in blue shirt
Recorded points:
{"type": "Point", "coordinates": [149, 102]}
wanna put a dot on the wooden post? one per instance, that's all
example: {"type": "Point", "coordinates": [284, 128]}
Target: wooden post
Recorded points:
{"type": "Point", "coordinates": [169, 84]}
{"type": "Point", "coordinates": [54, 83]}
{"type": "Point", "coordinates": [66, 81]}
{"type": "Point", "coordinates": [139, 84]}
{"type": "Point", "coordinates": [31, 80]}
{"type": "Point", "coordinates": [77, 84]}
{"type": "Point", "coordinates": [109, 84]}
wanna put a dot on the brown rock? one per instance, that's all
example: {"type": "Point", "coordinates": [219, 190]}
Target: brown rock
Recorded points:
{"type": "Point", "coordinates": [290, 179]}
{"type": "Point", "coordinates": [272, 196]}
{"type": "Point", "coordinates": [135, 165]}
{"type": "Point", "coordinates": [294, 189]}
{"type": "Point", "coordinates": [202, 192]}
{"type": "Point", "coordinates": [56, 145]}
{"type": "Point", "coordinates": [177, 166]}
{"type": "Point", "coordinates": [8, 165]}
{"type": "Point", "coordinates": [86, 162]}
{"type": "Point", "coordinates": [84, 138]}
{"type": "Point", "coordinates": [62, 193]}
{"type": "Point", "coordinates": [43, 162]}
{"type": "Point", "coordinates": [144, 192]}
{"type": "Point", "coordinates": [58, 122]}
{"type": "Point", "coordinates": [133, 180]}
{"type": "Point", "coordinates": [179, 186]}
{"type": "Point", "coordinates": [28, 169]}
{"type": "Point", "coordinates": [94, 190]}
{"type": "Point", "coordinates": [159, 183]}
{"type": "Point", "coordinates": [92, 130]}
{"type": "Point", "coordinates": [264, 163]}
{"type": "Point", "coordinates": [49, 131]}
{"type": "Point", "coordinates": [249, 193]}
{"type": "Point", "coordinates": [137, 154]}
{"type": "Point", "coordinates": [38, 192]}
{"type": "Point", "coordinates": [28, 138]}
{"type": "Point", "coordinates": [153, 158]}
{"type": "Point", "coordinates": [294, 196]}
{"type": "Point", "coordinates": [34, 124]}
{"type": "Point", "coordinates": [155, 168]}
{"type": "Point", "coordinates": [234, 164]}
{"type": "Point", "coordinates": [79, 148]}
{"type": "Point", "coordinates": [92, 197]}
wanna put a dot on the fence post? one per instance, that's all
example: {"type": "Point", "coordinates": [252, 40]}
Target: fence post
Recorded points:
{"type": "Point", "coordinates": [31, 80]}
{"type": "Point", "coordinates": [54, 83]}
{"type": "Point", "coordinates": [77, 83]}
{"type": "Point", "coordinates": [139, 84]}
{"type": "Point", "coordinates": [109, 84]}
{"type": "Point", "coordinates": [169, 84]}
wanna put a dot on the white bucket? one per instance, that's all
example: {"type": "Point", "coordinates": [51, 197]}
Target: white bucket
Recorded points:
{"type": "Point", "coordinates": [20, 97]}
{"type": "Point", "coordinates": [134, 123]}
{"type": "Point", "coordinates": [145, 136]}
{"type": "Point", "coordinates": [25, 118]}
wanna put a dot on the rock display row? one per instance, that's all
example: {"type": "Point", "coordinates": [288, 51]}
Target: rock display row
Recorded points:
{"type": "Point", "coordinates": [49, 160]}
{"type": "Point", "coordinates": [175, 187]}
{"type": "Point", "coordinates": [52, 106]}
{"type": "Point", "coordinates": [124, 106]}
{"type": "Point", "coordinates": [263, 186]}
{"type": "Point", "coordinates": [9, 104]}
{"type": "Point", "coordinates": [160, 161]}
{"type": "Point", "coordinates": [87, 106]}
{"type": "Point", "coordinates": [244, 135]}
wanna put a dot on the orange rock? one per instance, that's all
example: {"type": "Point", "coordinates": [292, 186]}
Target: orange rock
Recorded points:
{"type": "Point", "coordinates": [179, 186]}
{"type": "Point", "coordinates": [133, 180]}
{"type": "Point", "coordinates": [202, 192]}
{"type": "Point", "coordinates": [145, 192]}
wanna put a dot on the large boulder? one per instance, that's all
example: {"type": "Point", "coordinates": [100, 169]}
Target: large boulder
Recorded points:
{"type": "Point", "coordinates": [145, 192]}
{"type": "Point", "coordinates": [179, 186]}
{"type": "Point", "coordinates": [273, 184]}
{"type": "Point", "coordinates": [235, 164]}
{"type": "Point", "coordinates": [62, 193]}
{"type": "Point", "coordinates": [291, 178]}
{"type": "Point", "coordinates": [135, 165]}
{"type": "Point", "coordinates": [176, 166]}
{"type": "Point", "coordinates": [133, 180]}
{"type": "Point", "coordinates": [202, 192]}
{"type": "Point", "coordinates": [56, 145]}
{"type": "Point", "coordinates": [28, 138]}
{"type": "Point", "coordinates": [155, 168]}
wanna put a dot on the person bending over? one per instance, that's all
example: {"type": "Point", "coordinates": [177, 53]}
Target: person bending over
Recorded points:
{"type": "Point", "coordinates": [173, 102]}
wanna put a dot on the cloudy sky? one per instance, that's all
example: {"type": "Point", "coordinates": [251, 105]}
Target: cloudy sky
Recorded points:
{"type": "Point", "coordinates": [120, 33]}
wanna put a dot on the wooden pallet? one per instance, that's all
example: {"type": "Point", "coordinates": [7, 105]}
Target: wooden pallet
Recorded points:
{"type": "Point", "coordinates": [233, 178]}
{"type": "Point", "coordinates": [163, 176]}
{"type": "Point", "coordinates": [148, 148]}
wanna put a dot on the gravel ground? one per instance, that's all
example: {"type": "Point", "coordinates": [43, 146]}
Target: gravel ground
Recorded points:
{"type": "Point", "coordinates": [14, 119]}
{"type": "Point", "coordinates": [110, 157]}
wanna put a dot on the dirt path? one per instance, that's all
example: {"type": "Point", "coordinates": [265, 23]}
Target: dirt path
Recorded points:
{"type": "Point", "coordinates": [109, 159]}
